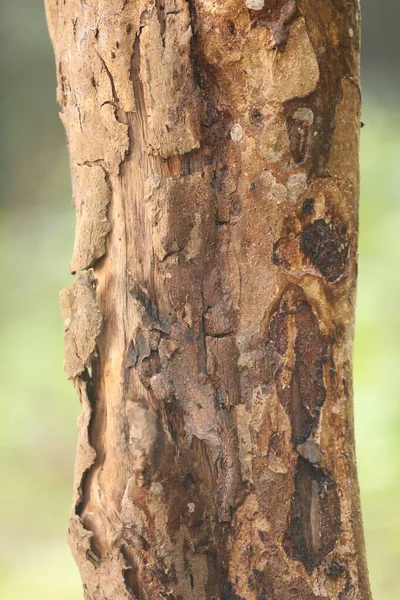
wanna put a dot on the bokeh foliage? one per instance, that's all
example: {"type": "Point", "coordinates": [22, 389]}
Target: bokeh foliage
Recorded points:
{"type": "Point", "coordinates": [38, 407]}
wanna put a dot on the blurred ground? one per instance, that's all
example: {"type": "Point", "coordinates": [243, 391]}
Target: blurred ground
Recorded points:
{"type": "Point", "coordinates": [38, 408]}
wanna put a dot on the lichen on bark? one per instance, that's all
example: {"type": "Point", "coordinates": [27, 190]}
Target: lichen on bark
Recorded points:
{"type": "Point", "coordinates": [209, 328]}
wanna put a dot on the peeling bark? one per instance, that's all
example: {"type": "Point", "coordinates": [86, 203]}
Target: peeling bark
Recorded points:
{"type": "Point", "coordinates": [209, 328]}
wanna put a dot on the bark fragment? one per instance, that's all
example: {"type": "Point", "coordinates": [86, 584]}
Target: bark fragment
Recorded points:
{"type": "Point", "coordinates": [91, 200]}
{"type": "Point", "coordinates": [82, 322]}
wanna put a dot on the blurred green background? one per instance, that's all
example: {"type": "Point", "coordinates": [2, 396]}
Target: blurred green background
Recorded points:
{"type": "Point", "coordinates": [38, 408]}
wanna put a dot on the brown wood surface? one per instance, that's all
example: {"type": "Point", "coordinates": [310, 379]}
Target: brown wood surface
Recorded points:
{"type": "Point", "coordinates": [209, 328]}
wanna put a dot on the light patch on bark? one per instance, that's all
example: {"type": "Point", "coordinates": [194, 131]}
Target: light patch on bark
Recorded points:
{"type": "Point", "coordinates": [167, 72]}
{"type": "Point", "coordinates": [91, 199]}
{"type": "Point", "coordinates": [294, 73]}
{"type": "Point", "coordinates": [82, 322]}
{"type": "Point", "coordinates": [237, 132]}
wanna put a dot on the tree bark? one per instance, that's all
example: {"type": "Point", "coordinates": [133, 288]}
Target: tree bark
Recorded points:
{"type": "Point", "coordinates": [209, 328]}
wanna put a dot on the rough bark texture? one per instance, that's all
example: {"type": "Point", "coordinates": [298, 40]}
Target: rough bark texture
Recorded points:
{"type": "Point", "coordinates": [209, 329]}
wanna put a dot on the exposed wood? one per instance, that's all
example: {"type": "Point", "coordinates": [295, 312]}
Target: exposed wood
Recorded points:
{"type": "Point", "coordinates": [209, 329]}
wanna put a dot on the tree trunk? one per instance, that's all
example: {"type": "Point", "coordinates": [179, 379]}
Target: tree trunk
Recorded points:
{"type": "Point", "coordinates": [209, 328]}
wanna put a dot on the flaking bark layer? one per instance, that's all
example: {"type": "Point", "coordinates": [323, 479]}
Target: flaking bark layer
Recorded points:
{"type": "Point", "coordinates": [209, 329]}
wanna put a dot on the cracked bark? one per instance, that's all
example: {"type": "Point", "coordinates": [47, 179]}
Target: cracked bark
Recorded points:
{"type": "Point", "coordinates": [209, 328]}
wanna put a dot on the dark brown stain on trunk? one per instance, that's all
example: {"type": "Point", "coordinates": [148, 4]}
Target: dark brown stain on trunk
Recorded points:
{"type": "Point", "coordinates": [305, 359]}
{"type": "Point", "coordinates": [229, 593]}
{"type": "Point", "coordinates": [327, 246]}
{"type": "Point", "coordinates": [310, 144]}
{"type": "Point", "coordinates": [314, 521]}
{"type": "Point", "coordinates": [314, 516]}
